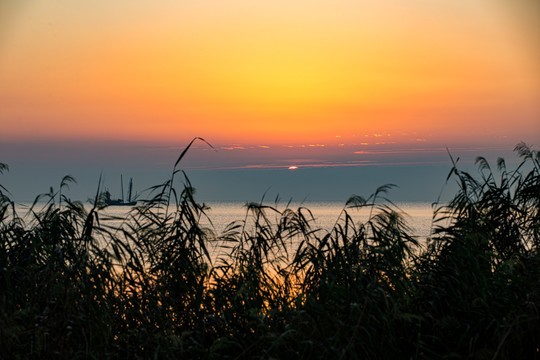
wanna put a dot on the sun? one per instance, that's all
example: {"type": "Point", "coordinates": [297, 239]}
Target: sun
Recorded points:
{"type": "Point", "coordinates": [293, 167]}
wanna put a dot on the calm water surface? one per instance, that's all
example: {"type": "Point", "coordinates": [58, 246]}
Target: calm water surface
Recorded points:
{"type": "Point", "coordinates": [418, 215]}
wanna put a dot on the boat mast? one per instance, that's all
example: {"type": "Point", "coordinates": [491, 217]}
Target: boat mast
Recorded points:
{"type": "Point", "coordinates": [130, 188]}
{"type": "Point", "coordinates": [122, 186]}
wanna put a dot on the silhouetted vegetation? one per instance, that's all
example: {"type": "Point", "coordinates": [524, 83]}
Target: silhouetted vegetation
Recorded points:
{"type": "Point", "coordinates": [161, 285]}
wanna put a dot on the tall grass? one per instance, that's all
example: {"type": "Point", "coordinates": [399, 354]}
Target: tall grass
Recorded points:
{"type": "Point", "coordinates": [272, 285]}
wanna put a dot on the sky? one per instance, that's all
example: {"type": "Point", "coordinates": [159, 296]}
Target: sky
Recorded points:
{"type": "Point", "coordinates": [307, 99]}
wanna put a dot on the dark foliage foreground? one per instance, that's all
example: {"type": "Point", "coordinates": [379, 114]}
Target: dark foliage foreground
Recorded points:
{"type": "Point", "coordinates": [160, 285]}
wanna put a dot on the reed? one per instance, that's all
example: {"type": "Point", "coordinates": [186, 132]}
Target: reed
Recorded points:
{"type": "Point", "coordinates": [273, 285]}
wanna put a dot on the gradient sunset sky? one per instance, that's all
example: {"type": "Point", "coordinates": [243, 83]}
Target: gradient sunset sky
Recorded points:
{"type": "Point", "coordinates": [124, 85]}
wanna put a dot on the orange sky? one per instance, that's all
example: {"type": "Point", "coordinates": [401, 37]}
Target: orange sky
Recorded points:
{"type": "Point", "coordinates": [272, 72]}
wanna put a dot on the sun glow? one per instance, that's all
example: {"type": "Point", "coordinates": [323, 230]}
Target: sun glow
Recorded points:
{"type": "Point", "coordinates": [277, 73]}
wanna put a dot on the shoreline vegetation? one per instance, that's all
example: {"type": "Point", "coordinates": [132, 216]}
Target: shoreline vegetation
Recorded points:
{"type": "Point", "coordinates": [73, 287]}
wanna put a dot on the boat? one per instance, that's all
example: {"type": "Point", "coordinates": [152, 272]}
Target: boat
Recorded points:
{"type": "Point", "coordinates": [120, 202]}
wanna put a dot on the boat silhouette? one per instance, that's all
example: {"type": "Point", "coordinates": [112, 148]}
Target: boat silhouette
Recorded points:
{"type": "Point", "coordinates": [120, 202]}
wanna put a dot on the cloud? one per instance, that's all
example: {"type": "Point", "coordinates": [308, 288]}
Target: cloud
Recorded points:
{"type": "Point", "coordinates": [233, 148]}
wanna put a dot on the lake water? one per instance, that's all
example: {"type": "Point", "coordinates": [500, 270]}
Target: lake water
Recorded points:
{"type": "Point", "coordinates": [418, 215]}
